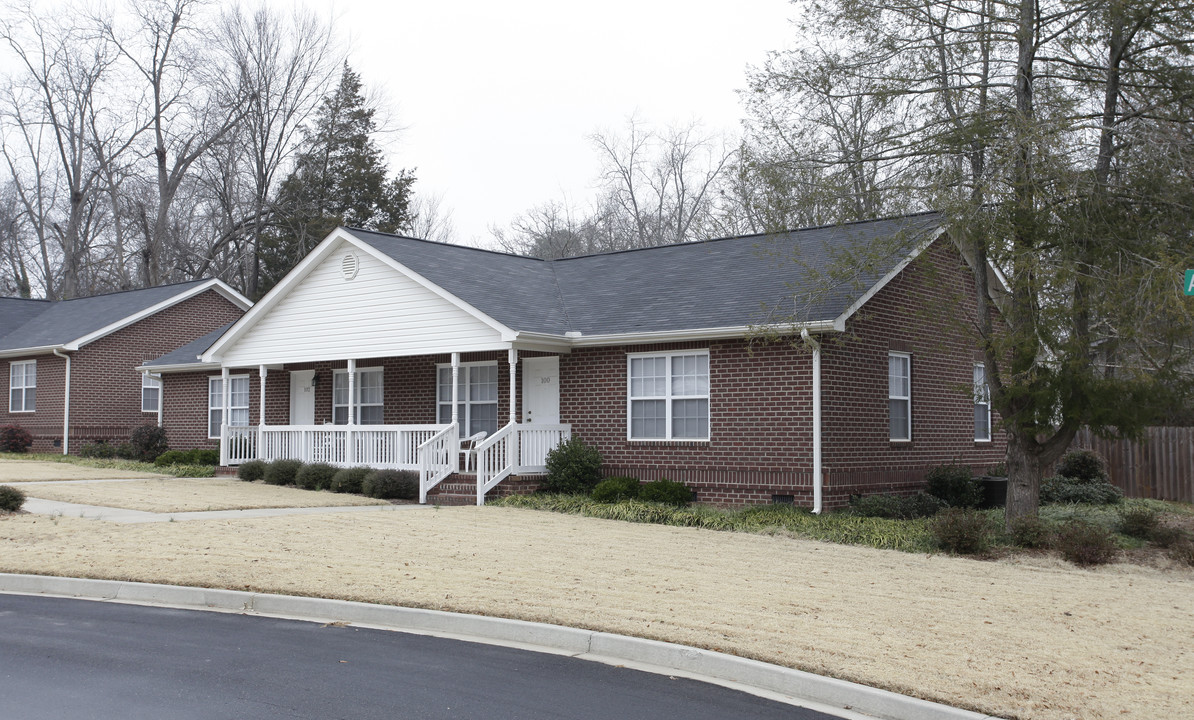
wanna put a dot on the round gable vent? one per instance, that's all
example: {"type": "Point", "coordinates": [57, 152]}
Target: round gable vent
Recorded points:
{"type": "Point", "coordinates": [349, 266]}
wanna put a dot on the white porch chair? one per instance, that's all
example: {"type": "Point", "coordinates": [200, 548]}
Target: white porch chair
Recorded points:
{"type": "Point", "coordinates": [468, 449]}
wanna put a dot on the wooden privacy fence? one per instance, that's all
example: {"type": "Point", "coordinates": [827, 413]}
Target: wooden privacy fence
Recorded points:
{"type": "Point", "coordinates": [1160, 465]}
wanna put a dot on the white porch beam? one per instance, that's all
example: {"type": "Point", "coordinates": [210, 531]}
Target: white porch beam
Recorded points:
{"type": "Point", "coordinates": [262, 371]}
{"type": "Point", "coordinates": [225, 401]}
{"type": "Point", "coordinates": [455, 386]}
{"type": "Point", "coordinates": [513, 359]}
{"type": "Point", "coordinates": [352, 390]}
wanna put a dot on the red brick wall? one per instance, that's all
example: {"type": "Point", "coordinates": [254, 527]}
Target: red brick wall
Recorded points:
{"type": "Point", "coordinates": [45, 423]}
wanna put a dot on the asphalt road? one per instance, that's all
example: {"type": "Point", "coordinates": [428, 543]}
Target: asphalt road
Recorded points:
{"type": "Point", "coordinates": [64, 658]}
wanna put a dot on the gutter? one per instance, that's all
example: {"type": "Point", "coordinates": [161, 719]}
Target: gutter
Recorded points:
{"type": "Point", "coordinates": [817, 477]}
{"type": "Point", "coordinates": [65, 405]}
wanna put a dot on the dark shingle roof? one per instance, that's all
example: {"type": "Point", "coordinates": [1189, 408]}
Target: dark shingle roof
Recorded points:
{"type": "Point", "coordinates": [15, 312]}
{"type": "Point", "coordinates": [63, 322]}
{"type": "Point", "coordinates": [189, 354]}
{"type": "Point", "coordinates": [732, 282]}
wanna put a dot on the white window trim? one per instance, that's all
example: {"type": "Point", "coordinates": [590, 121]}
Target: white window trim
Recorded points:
{"type": "Point", "coordinates": [155, 383]}
{"type": "Point", "coordinates": [986, 394]}
{"type": "Point", "coordinates": [24, 388]}
{"type": "Point", "coordinates": [908, 397]}
{"type": "Point", "coordinates": [231, 407]}
{"type": "Point", "coordinates": [465, 419]}
{"type": "Point", "coordinates": [356, 390]}
{"type": "Point", "coordinates": [669, 354]}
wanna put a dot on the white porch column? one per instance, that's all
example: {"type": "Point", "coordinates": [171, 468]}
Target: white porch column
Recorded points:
{"type": "Point", "coordinates": [225, 401]}
{"type": "Point", "coordinates": [350, 450]}
{"type": "Point", "coordinates": [455, 459]}
{"type": "Point", "coordinates": [513, 358]}
{"type": "Point", "coordinates": [161, 398]}
{"type": "Point", "coordinates": [261, 373]}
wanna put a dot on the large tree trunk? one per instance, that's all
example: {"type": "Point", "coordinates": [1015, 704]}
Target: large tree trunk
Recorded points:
{"type": "Point", "coordinates": [1023, 478]}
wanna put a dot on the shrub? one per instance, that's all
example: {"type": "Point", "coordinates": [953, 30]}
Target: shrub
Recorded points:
{"type": "Point", "coordinates": [668, 492]}
{"type": "Point", "coordinates": [204, 456]}
{"type": "Point", "coordinates": [1183, 553]}
{"type": "Point", "coordinates": [997, 470]}
{"type": "Point", "coordinates": [148, 441]}
{"type": "Point", "coordinates": [350, 480]}
{"type": "Point", "coordinates": [954, 485]}
{"type": "Point", "coordinates": [11, 499]}
{"type": "Point", "coordinates": [616, 489]}
{"type": "Point", "coordinates": [125, 451]}
{"type": "Point", "coordinates": [1167, 536]}
{"type": "Point", "coordinates": [1031, 531]}
{"type": "Point", "coordinates": [282, 472]}
{"type": "Point", "coordinates": [1085, 543]}
{"type": "Point", "coordinates": [251, 471]}
{"type": "Point", "coordinates": [316, 476]}
{"type": "Point", "coordinates": [1068, 490]}
{"type": "Point", "coordinates": [15, 439]}
{"type": "Point", "coordinates": [101, 450]}
{"type": "Point", "coordinates": [391, 484]}
{"type": "Point", "coordinates": [173, 457]}
{"type": "Point", "coordinates": [572, 467]}
{"type": "Point", "coordinates": [896, 507]}
{"type": "Point", "coordinates": [1082, 465]}
{"type": "Point", "coordinates": [961, 530]}
{"type": "Point", "coordinates": [1138, 522]}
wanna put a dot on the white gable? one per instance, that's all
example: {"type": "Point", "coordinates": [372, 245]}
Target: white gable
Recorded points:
{"type": "Point", "coordinates": [335, 314]}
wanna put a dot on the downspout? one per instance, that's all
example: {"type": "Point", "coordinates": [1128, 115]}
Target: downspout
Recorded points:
{"type": "Point", "coordinates": [65, 404]}
{"type": "Point", "coordinates": [817, 479]}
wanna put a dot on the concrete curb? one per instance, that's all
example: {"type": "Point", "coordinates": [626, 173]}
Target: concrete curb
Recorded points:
{"type": "Point", "coordinates": [794, 686]}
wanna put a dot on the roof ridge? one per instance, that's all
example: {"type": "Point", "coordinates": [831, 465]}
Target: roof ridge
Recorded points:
{"type": "Point", "coordinates": [446, 244]}
{"type": "Point", "coordinates": [132, 290]}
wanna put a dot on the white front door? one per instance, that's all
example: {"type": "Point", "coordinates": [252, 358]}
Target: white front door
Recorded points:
{"type": "Point", "coordinates": [541, 390]}
{"type": "Point", "coordinates": [302, 397]}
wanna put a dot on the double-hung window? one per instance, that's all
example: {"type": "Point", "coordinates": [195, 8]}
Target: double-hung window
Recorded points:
{"type": "Point", "coordinates": [477, 397]}
{"type": "Point", "coordinates": [151, 393]}
{"type": "Point", "coordinates": [370, 405]}
{"type": "Point", "coordinates": [22, 386]}
{"type": "Point", "coordinates": [668, 396]}
{"type": "Point", "coordinates": [238, 403]}
{"type": "Point", "coordinates": [899, 395]}
{"type": "Point", "coordinates": [982, 404]}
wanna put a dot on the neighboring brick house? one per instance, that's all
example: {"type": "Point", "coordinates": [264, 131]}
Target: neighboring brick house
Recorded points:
{"type": "Point", "coordinates": [71, 365]}
{"type": "Point", "coordinates": [657, 357]}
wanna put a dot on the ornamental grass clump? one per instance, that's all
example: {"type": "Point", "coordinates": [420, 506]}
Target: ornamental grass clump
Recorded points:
{"type": "Point", "coordinates": [282, 472]}
{"type": "Point", "coordinates": [11, 499]}
{"type": "Point", "coordinates": [316, 476]}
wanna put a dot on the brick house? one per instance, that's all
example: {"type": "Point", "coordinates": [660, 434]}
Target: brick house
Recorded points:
{"type": "Point", "coordinates": [388, 351]}
{"type": "Point", "coordinates": [72, 376]}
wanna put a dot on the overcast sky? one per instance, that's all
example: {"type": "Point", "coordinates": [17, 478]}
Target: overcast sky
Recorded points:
{"type": "Point", "coordinates": [498, 98]}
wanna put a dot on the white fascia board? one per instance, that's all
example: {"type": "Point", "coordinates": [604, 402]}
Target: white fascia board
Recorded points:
{"type": "Point", "coordinates": [719, 333]}
{"type": "Point", "coordinates": [40, 350]}
{"type": "Point", "coordinates": [282, 359]}
{"type": "Point", "coordinates": [177, 368]}
{"type": "Point", "coordinates": [839, 323]}
{"type": "Point", "coordinates": [214, 284]}
{"type": "Point", "coordinates": [541, 341]}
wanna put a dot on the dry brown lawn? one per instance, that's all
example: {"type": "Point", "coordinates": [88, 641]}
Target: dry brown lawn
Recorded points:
{"type": "Point", "coordinates": [1023, 639]}
{"type": "Point", "coordinates": [166, 495]}
{"type": "Point", "coordinates": [13, 471]}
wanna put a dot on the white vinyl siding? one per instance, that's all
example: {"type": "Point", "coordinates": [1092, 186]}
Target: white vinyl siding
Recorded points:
{"type": "Point", "coordinates": [151, 393]}
{"type": "Point", "coordinates": [238, 403]}
{"type": "Point", "coordinates": [477, 399]}
{"type": "Point", "coordinates": [22, 386]}
{"type": "Point", "coordinates": [982, 404]}
{"type": "Point", "coordinates": [668, 396]}
{"type": "Point", "coordinates": [370, 409]}
{"type": "Point", "coordinates": [379, 313]}
{"type": "Point", "coordinates": [899, 395]}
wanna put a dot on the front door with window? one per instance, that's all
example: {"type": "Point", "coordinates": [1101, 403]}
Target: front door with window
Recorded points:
{"type": "Point", "coordinates": [302, 397]}
{"type": "Point", "coordinates": [541, 390]}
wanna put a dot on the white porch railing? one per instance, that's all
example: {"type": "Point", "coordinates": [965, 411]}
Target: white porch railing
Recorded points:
{"type": "Point", "coordinates": [515, 449]}
{"type": "Point", "coordinates": [241, 443]}
{"type": "Point", "coordinates": [379, 446]}
{"type": "Point", "coordinates": [439, 457]}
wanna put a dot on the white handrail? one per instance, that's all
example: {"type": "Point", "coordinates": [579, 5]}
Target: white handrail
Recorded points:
{"type": "Point", "coordinates": [438, 458]}
{"type": "Point", "coordinates": [497, 456]}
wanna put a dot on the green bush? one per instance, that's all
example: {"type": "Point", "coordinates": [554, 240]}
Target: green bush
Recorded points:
{"type": "Point", "coordinates": [391, 484]}
{"type": "Point", "coordinates": [282, 472]}
{"type": "Point", "coordinates": [1138, 522]}
{"type": "Point", "coordinates": [998, 470]}
{"type": "Point", "coordinates": [173, 457]}
{"type": "Point", "coordinates": [99, 450]}
{"type": "Point", "coordinates": [125, 451]}
{"type": "Point", "coordinates": [316, 476]}
{"type": "Point", "coordinates": [1183, 553]}
{"type": "Point", "coordinates": [1085, 543]}
{"type": "Point", "coordinates": [667, 492]}
{"type": "Point", "coordinates": [204, 456]}
{"type": "Point", "coordinates": [572, 467]}
{"type": "Point", "coordinates": [961, 530]}
{"type": "Point", "coordinates": [252, 470]}
{"type": "Point", "coordinates": [15, 439]}
{"type": "Point", "coordinates": [1068, 490]}
{"type": "Point", "coordinates": [896, 507]}
{"type": "Point", "coordinates": [11, 499]}
{"type": "Point", "coordinates": [1031, 531]}
{"type": "Point", "coordinates": [955, 485]}
{"type": "Point", "coordinates": [1167, 536]}
{"type": "Point", "coordinates": [1082, 465]}
{"type": "Point", "coordinates": [616, 489]}
{"type": "Point", "coordinates": [148, 442]}
{"type": "Point", "coordinates": [350, 480]}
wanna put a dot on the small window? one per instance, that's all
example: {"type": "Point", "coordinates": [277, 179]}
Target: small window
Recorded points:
{"type": "Point", "coordinates": [899, 395]}
{"type": "Point", "coordinates": [982, 404]}
{"type": "Point", "coordinates": [668, 396]}
{"type": "Point", "coordinates": [370, 407]}
{"type": "Point", "coordinates": [22, 386]}
{"type": "Point", "coordinates": [151, 393]}
{"type": "Point", "coordinates": [238, 403]}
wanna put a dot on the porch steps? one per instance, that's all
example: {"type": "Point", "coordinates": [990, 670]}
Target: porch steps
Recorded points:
{"type": "Point", "coordinates": [461, 489]}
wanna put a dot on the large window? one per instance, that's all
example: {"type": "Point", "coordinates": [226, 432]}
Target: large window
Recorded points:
{"type": "Point", "coordinates": [477, 397]}
{"type": "Point", "coordinates": [151, 393]}
{"type": "Point", "coordinates": [982, 404]}
{"type": "Point", "coordinates": [899, 395]}
{"type": "Point", "coordinates": [370, 397]}
{"type": "Point", "coordinates": [238, 403]}
{"type": "Point", "coordinates": [22, 386]}
{"type": "Point", "coordinates": [668, 396]}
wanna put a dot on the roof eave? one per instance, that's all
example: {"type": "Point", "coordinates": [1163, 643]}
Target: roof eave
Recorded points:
{"type": "Point", "coordinates": [714, 333]}
{"type": "Point", "coordinates": [39, 350]}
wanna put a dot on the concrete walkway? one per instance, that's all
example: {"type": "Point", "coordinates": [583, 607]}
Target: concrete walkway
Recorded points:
{"type": "Point", "coordinates": [124, 515]}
